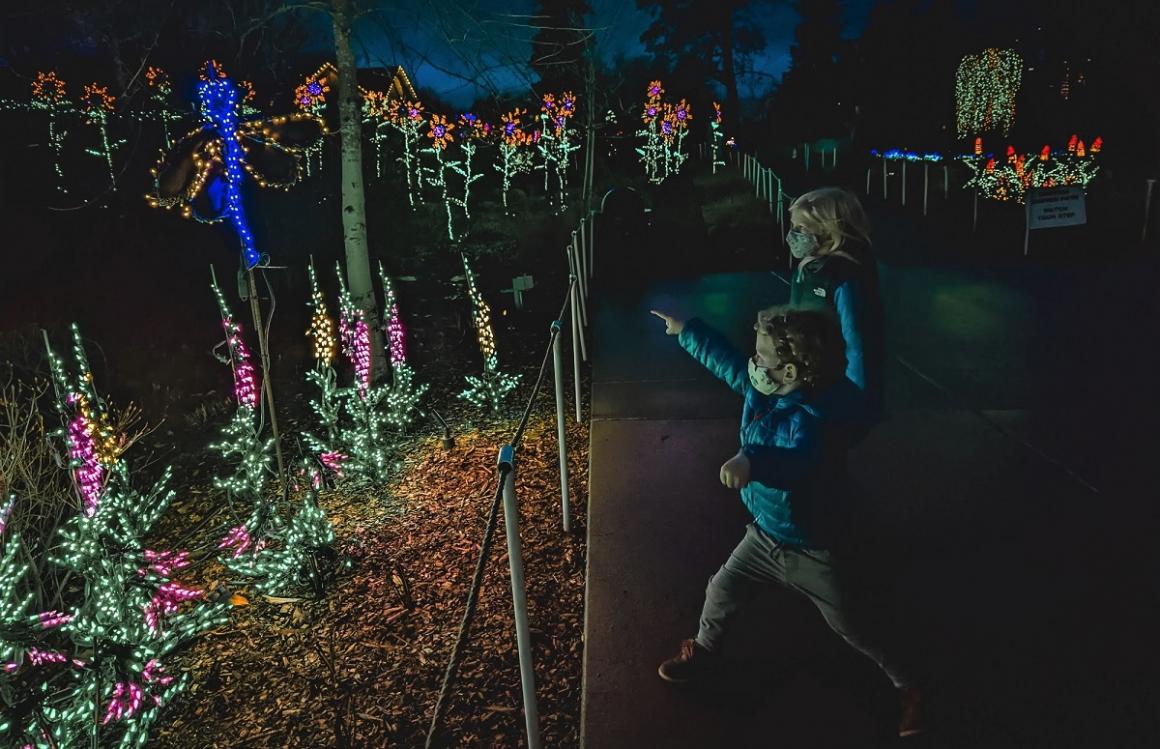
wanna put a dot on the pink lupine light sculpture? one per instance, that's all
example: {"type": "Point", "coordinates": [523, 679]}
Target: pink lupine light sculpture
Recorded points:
{"type": "Point", "coordinates": [167, 600]}
{"type": "Point", "coordinates": [163, 563]}
{"type": "Point", "coordinates": [237, 539]}
{"type": "Point", "coordinates": [53, 619]}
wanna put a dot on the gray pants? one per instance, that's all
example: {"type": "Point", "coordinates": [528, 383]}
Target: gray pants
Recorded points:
{"type": "Point", "coordinates": [759, 560]}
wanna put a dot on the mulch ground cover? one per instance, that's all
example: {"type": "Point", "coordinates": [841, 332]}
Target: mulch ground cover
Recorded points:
{"type": "Point", "coordinates": [362, 666]}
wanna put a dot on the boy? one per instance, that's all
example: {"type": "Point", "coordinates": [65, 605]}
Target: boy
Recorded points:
{"type": "Point", "coordinates": [790, 469]}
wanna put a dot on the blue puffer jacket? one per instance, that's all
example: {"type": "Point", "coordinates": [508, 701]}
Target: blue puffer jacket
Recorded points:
{"type": "Point", "coordinates": [796, 444]}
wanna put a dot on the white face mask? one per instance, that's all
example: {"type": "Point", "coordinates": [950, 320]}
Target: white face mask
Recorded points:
{"type": "Point", "coordinates": [762, 379]}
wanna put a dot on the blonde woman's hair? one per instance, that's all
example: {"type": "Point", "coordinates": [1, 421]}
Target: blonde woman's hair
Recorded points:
{"type": "Point", "coordinates": [834, 215]}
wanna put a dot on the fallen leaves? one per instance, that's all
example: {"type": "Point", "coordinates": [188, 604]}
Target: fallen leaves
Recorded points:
{"type": "Point", "coordinates": [367, 661]}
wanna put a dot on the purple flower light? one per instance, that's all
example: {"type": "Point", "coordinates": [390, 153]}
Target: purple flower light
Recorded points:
{"type": "Point", "coordinates": [314, 87]}
{"type": "Point", "coordinates": [439, 130]}
{"type": "Point", "coordinates": [53, 619]}
{"type": "Point", "coordinates": [166, 600]}
{"type": "Point", "coordinates": [238, 537]}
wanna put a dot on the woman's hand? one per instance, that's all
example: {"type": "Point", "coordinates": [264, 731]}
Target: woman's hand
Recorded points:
{"type": "Point", "coordinates": [673, 326]}
{"type": "Point", "coordinates": [735, 472]}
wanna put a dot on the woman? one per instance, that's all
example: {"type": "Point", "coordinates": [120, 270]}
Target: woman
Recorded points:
{"type": "Point", "coordinates": [830, 236]}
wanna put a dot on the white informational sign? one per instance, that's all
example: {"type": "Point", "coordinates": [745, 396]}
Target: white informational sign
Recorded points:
{"type": "Point", "coordinates": [1052, 207]}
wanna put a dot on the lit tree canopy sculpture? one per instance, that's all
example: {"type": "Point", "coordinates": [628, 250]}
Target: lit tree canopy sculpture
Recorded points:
{"type": "Point", "coordinates": [985, 89]}
{"type": "Point", "coordinates": [203, 173]}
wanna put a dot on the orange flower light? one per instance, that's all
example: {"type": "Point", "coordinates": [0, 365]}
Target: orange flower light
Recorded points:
{"type": "Point", "coordinates": [978, 146]}
{"type": "Point", "coordinates": [511, 133]}
{"type": "Point", "coordinates": [1045, 153]}
{"type": "Point", "coordinates": [1071, 143]}
{"type": "Point", "coordinates": [440, 132]}
{"type": "Point", "coordinates": [1080, 150]}
{"type": "Point", "coordinates": [47, 87]}
{"type": "Point", "coordinates": [157, 79]}
{"type": "Point", "coordinates": [717, 113]}
{"type": "Point", "coordinates": [414, 111]}
{"type": "Point", "coordinates": [655, 90]}
{"type": "Point", "coordinates": [248, 90]}
{"type": "Point", "coordinates": [1097, 144]}
{"type": "Point", "coordinates": [548, 104]}
{"type": "Point", "coordinates": [95, 98]}
{"type": "Point", "coordinates": [375, 104]}
{"type": "Point", "coordinates": [219, 71]}
{"type": "Point", "coordinates": [682, 114]}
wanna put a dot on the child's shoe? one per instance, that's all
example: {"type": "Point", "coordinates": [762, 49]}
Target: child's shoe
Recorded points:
{"type": "Point", "coordinates": [910, 722]}
{"type": "Point", "coordinates": [694, 663]}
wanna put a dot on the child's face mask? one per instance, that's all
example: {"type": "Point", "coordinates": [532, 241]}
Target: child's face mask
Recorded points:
{"type": "Point", "coordinates": [762, 378]}
{"type": "Point", "coordinates": [801, 244]}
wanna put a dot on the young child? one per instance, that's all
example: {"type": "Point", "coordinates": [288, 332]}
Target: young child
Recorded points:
{"type": "Point", "coordinates": [790, 471]}
{"type": "Point", "coordinates": [830, 236]}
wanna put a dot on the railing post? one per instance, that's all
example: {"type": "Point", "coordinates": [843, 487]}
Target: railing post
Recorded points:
{"type": "Point", "coordinates": [519, 599]}
{"type": "Point", "coordinates": [925, 181]}
{"type": "Point", "coordinates": [904, 182]}
{"type": "Point", "coordinates": [578, 269]}
{"type": "Point", "coordinates": [584, 250]}
{"type": "Point", "coordinates": [575, 348]}
{"type": "Point", "coordinates": [577, 306]}
{"type": "Point", "coordinates": [868, 170]}
{"type": "Point", "coordinates": [592, 243]}
{"type": "Point", "coordinates": [757, 180]}
{"type": "Point", "coordinates": [1151, 183]}
{"type": "Point", "coordinates": [558, 370]}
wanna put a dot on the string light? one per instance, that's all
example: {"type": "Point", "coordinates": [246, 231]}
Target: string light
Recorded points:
{"type": "Point", "coordinates": [130, 617]}
{"type": "Point", "coordinates": [515, 157]}
{"type": "Point", "coordinates": [1017, 173]}
{"type": "Point", "coordinates": [217, 149]}
{"type": "Point", "coordinates": [553, 141]}
{"type": "Point", "coordinates": [494, 385]}
{"type": "Point", "coordinates": [985, 89]}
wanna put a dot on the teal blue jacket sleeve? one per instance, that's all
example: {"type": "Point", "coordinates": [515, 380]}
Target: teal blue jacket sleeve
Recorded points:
{"type": "Point", "coordinates": [850, 303]}
{"type": "Point", "coordinates": [788, 466]}
{"type": "Point", "coordinates": [716, 354]}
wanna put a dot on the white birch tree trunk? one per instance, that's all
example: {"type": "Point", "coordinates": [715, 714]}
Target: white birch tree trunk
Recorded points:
{"type": "Point", "coordinates": [354, 218]}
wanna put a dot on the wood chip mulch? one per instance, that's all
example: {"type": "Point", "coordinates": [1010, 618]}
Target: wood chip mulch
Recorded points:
{"type": "Point", "coordinates": [362, 667]}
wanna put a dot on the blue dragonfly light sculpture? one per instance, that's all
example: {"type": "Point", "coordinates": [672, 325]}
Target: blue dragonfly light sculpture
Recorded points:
{"type": "Point", "coordinates": [203, 173]}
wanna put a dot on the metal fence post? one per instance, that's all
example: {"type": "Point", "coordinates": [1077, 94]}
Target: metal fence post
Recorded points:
{"type": "Point", "coordinates": [575, 348]}
{"type": "Point", "coordinates": [577, 305]}
{"type": "Point", "coordinates": [1147, 208]}
{"type": "Point", "coordinates": [558, 370]}
{"type": "Point", "coordinates": [578, 269]}
{"type": "Point", "coordinates": [592, 243]}
{"type": "Point", "coordinates": [519, 598]}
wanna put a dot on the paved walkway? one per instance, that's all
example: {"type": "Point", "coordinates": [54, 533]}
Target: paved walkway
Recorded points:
{"type": "Point", "coordinates": [1002, 528]}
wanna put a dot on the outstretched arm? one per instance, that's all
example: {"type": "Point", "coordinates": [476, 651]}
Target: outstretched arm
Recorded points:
{"type": "Point", "coordinates": [710, 348]}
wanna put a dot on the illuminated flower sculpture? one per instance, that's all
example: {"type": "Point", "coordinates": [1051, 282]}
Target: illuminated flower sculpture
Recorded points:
{"type": "Point", "coordinates": [160, 93]}
{"type": "Point", "coordinates": [653, 119]}
{"type": "Point", "coordinates": [48, 95]}
{"type": "Point", "coordinates": [554, 143]}
{"type": "Point", "coordinates": [354, 421]}
{"type": "Point", "coordinates": [310, 98]}
{"type": "Point", "coordinates": [440, 133]}
{"type": "Point", "coordinates": [516, 157]}
{"type": "Point", "coordinates": [105, 654]}
{"type": "Point", "coordinates": [408, 119]}
{"type": "Point", "coordinates": [490, 389]}
{"type": "Point", "coordinates": [1016, 173]}
{"type": "Point", "coordinates": [97, 105]}
{"type": "Point", "coordinates": [241, 447]}
{"type": "Point", "coordinates": [202, 175]}
{"type": "Point", "coordinates": [716, 138]}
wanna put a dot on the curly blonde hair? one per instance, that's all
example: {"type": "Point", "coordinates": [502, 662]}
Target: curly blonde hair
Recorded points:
{"type": "Point", "coordinates": [810, 338]}
{"type": "Point", "coordinates": [835, 215]}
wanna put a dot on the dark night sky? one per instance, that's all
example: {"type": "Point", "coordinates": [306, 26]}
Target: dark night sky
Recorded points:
{"type": "Point", "coordinates": [450, 48]}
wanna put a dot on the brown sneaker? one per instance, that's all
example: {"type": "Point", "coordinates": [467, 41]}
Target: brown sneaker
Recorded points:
{"type": "Point", "coordinates": [693, 663]}
{"type": "Point", "coordinates": [910, 722]}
